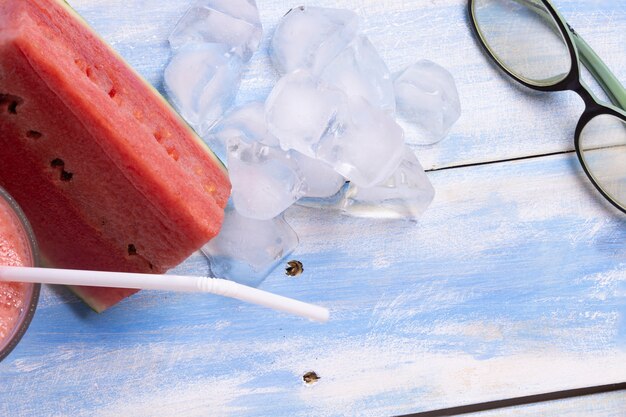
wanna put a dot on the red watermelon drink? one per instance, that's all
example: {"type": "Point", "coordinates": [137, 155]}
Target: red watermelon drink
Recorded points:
{"type": "Point", "coordinates": [17, 300]}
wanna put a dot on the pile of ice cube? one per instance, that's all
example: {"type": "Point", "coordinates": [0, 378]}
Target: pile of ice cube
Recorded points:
{"type": "Point", "coordinates": [327, 130]}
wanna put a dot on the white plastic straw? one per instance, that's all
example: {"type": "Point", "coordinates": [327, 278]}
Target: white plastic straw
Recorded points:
{"type": "Point", "coordinates": [217, 286]}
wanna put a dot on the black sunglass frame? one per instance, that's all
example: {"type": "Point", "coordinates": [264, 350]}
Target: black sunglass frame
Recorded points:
{"type": "Point", "coordinates": [571, 82]}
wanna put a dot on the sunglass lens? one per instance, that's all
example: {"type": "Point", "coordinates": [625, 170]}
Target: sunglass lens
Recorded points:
{"type": "Point", "coordinates": [603, 148]}
{"type": "Point", "coordinates": [524, 37]}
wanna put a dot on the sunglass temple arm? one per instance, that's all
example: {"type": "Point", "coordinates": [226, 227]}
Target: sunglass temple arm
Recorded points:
{"type": "Point", "coordinates": [607, 80]}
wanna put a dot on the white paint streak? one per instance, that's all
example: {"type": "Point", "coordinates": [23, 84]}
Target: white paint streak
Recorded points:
{"type": "Point", "coordinates": [381, 260]}
{"type": "Point", "coordinates": [608, 284]}
{"type": "Point", "coordinates": [209, 397]}
{"type": "Point", "coordinates": [487, 332]}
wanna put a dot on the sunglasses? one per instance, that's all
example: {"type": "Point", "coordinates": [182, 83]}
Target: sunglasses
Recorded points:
{"type": "Point", "coordinates": [531, 42]}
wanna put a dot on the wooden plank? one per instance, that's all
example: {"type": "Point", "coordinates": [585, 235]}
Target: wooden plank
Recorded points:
{"type": "Point", "coordinates": [514, 283]}
{"type": "Point", "coordinates": [499, 119]}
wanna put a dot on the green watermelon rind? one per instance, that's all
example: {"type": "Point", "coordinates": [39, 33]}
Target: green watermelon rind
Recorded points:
{"type": "Point", "coordinates": [96, 305]}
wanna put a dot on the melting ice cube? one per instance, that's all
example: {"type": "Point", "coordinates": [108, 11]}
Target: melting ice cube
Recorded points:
{"type": "Point", "coordinates": [361, 142]}
{"type": "Point", "coordinates": [265, 179]}
{"type": "Point", "coordinates": [359, 70]}
{"type": "Point", "coordinates": [234, 23]}
{"type": "Point", "coordinates": [319, 179]}
{"type": "Point", "coordinates": [426, 95]}
{"type": "Point", "coordinates": [405, 194]}
{"type": "Point", "coordinates": [310, 37]}
{"type": "Point", "coordinates": [202, 82]}
{"type": "Point", "coordinates": [365, 144]}
{"type": "Point", "coordinates": [247, 250]}
{"type": "Point", "coordinates": [246, 123]}
{"type": "Point", "coordinates": [299, 111]}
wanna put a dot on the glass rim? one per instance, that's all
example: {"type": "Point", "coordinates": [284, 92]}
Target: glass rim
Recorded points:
{"type": "Point", "coordinates": [27, 314]}
{"type": "Point", "coordinates": [582, 124]}
{"type": "Point", "coordinates": [568, 81]}
{"type": "Point", "coordinates": [547, 83]}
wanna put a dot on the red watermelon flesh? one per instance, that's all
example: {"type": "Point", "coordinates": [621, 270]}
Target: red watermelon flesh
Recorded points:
{"type": "Point", "coordinates": [109, 175]}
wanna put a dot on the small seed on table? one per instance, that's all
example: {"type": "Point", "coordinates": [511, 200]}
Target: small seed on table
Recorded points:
{"type": "Point", "coordinates": [310, 377]}
{"type": "Point", "coordinates": [294, 268]}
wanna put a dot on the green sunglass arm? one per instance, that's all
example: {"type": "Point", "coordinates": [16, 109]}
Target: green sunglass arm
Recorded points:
{"type": "Point", "coordinates": [603, 75]}
{"type": "Point", "coordinates": [607, 80]}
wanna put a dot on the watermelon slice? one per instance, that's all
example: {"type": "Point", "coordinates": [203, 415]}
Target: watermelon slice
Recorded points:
{"type": "Point", "coordinates": [109, 175]}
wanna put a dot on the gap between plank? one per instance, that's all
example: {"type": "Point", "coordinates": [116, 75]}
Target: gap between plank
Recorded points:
{"type": "Point", "coordinates": [498, 161]}
{"type": "Point", "coordinates": [517, 401]}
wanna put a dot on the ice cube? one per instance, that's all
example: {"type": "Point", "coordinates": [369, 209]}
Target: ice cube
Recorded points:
{"type": "Point", "coordinates": [299, 111]}
{"type": "Point", "coordinates": [405, 194]}
{"type": "Point", "coordinates": [426, 95]}
{"type": "Point", "coordinates": [265, 179]}
{"type": "Point", "coordinates": [202, 82]}
{"type": "Point", "coordinates": [310, 37]}
{"type": "Point", "coordinates": [334, 202]}
{"type": "Point", "coordinates": [280, 177]}
{"type": "Point", "coordinates": [320, 180]}
{"type": "Point", "coordinates": [361, 142]}
{"type": "Point", "coordinates": [364, 143]}
{"type": "Point", "coordinates": [247, 250]}
{"type": "Point", "coordinates": [234, 23]}
{"type": "Point", "coordinates": [359, 70]}
{"type": "Point", "coordinates": [247, 122]}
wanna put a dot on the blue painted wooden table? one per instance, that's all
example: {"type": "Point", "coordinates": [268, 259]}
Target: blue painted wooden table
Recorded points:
{"type": "Point", "coordinates": [513, 282]}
